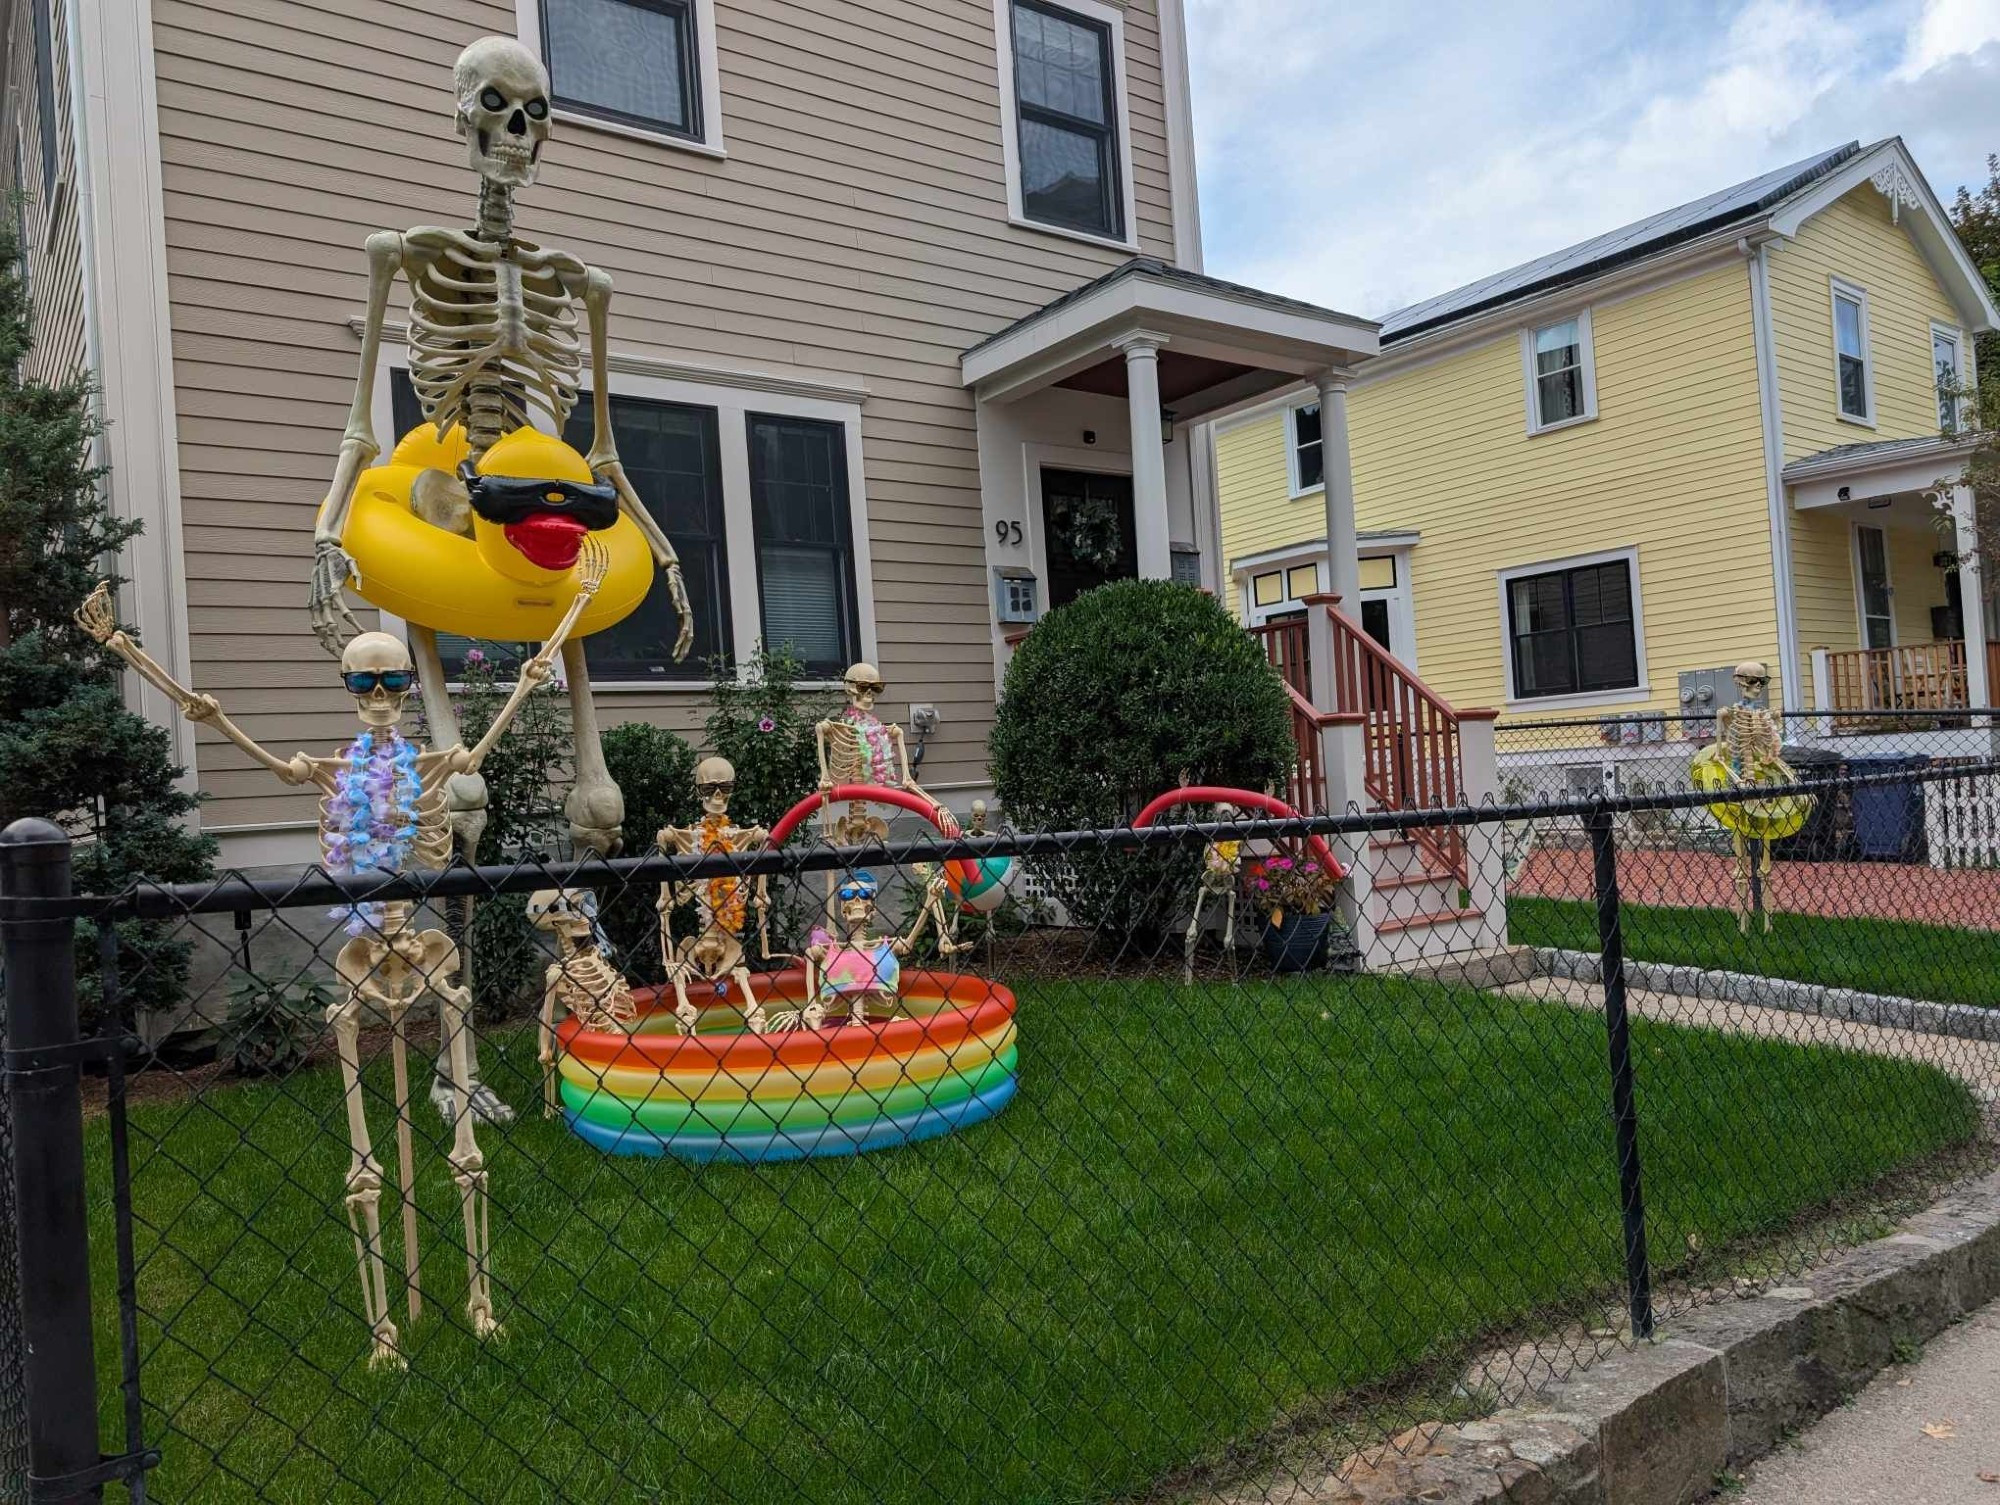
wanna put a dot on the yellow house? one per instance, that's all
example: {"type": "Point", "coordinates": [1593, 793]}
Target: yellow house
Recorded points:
{"type": "Point", "coordinates": [1712, 435]}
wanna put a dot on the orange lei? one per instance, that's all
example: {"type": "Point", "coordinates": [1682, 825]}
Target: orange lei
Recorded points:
{"type": "Point", "coordinates": [727, 903]}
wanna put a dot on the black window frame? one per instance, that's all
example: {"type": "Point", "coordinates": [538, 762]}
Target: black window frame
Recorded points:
{"type": "Point", "coordinates": [691, 77]}
{"type": "Point", "coordinates": [672, 516]}
{"type": "Point", "coordinates": [1518, 640]}
{"type": "Point", "coordinates": [1299, 444]}
{"type": "Point", "coordinates": [45, 89]}
{"type": "Point", "coordinates": [843, 503]}
{"type": "Point", "coordinates": [1111, 138]}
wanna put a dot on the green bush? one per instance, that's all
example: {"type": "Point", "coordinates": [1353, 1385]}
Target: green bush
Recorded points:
{"type": "Point", "coordinates": [1126, 692]}
{"type": "Point", "coordinates": [763, 724]}
{"type": "Point", "coordinates": [655, 769]}
{"type": "Point", "coordinates": [272, 1026]}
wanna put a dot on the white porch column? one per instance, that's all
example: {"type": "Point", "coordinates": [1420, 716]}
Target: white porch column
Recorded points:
{"type": "Point", "coordinates": [1342, 549]}
{"type": "Point", "coordinates": [1149, 461]}
{"type": "Point", "coordinates": [1971, 595]}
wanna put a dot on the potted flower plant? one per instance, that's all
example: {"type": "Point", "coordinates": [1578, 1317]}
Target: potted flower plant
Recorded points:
{"type": "Point", "coordinates": [1295, 896]}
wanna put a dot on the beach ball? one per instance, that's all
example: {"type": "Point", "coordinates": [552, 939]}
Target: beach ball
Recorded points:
{"type": "Point", "coordinates": [979, 885]}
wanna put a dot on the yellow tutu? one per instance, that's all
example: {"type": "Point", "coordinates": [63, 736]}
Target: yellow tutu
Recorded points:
{"type": "Point", "coordinates": [1760, 820]}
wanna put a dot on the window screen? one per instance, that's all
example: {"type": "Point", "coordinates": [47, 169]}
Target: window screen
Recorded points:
{"type": "Point", "coordinates": [1573, 631]}
{"type": "Point", "coordinates": [805, 553]}
{"type": "Point", "coordinates": [626, 60]}
{"type": "Point", "coordinates": [1065, 109]}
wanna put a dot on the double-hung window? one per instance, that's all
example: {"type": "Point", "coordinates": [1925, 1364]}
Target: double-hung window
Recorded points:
{"type": "Point", "coordinates": [804, 539]}
{"type": "Point", "coordinates": [45, 96]}
{"type": "Point", "coordinates": [1066, 120]}
{"type": "Point", "coordinates": [1561, 373]}
{"type": "Point", "coordinates": [671, 455]}
{"type": "Point", "coordinates": [635, 63]}
{"type": "Point", "coordinates": [1945, 361]}
{"type": "Point", "coordinates": [1850, 353]}
{"type": "Point", "coordinates": [1573, 630]}
{"type": "Point", "coordinates": [1308, 459]}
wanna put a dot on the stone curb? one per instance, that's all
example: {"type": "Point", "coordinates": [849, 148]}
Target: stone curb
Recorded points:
{"type": "Point", "coordinates": [1961, 1021]}
{"type": "Point", "coordinates": [1658, 1423]}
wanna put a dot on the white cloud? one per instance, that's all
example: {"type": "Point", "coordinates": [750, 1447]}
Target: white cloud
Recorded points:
{"type": "Point", "coordinates": [1366, 157]}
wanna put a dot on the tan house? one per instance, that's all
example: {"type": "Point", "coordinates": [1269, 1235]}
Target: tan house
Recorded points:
{"type": "Point", "coordinates": [930, 271]}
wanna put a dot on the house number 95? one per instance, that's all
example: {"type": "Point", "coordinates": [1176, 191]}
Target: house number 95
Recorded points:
{"type": "Point", "coordinates": [1007, 532]}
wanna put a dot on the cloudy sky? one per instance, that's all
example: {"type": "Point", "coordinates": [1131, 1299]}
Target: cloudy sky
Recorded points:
{"type": "Point", "coordinates": [1367, 153]}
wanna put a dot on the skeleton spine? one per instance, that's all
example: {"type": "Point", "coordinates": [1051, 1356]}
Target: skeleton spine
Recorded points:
{"type": "Point", "coordinates": [486, 396]}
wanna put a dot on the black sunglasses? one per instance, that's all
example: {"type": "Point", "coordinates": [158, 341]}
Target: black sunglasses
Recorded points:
{"type": "Point", "coordinates": [718, 787]}
{"type": "Point", "coordinates": [367, 681]}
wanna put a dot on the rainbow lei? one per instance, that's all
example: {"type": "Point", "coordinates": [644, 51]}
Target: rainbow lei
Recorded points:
{"type": "Point", "coordinates": [372, 817]}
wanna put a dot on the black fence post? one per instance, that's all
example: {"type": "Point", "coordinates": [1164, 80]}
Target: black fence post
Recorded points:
{"type": "Point", "coordinates": [46, 1087]}
{"type": "Point", "coordinates": [1618, 1035]}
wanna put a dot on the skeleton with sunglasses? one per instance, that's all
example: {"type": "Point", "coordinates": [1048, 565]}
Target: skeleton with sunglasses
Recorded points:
{"type": "Point", "coordinates": [859, 747]}
{"type": "Point", "coordinates": [383, 809]}
{"type": "Point", "coordinates": [722, 907]}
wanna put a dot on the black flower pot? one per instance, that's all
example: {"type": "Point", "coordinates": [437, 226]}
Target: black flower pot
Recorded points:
{"type": "Point", "coordinates": [1296, 945]}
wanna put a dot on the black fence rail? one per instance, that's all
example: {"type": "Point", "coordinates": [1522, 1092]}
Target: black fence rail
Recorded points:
{"type": "Point", "coordinates": [1085, 1165]}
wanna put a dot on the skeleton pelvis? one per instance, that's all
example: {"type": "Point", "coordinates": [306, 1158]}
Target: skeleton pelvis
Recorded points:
{"type": "Point", "coordinates": [452, 583]}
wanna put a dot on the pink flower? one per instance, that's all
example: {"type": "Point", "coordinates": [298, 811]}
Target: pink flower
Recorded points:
{"type": "Point", "coordinates": [766, 724]}
{"type": "Point", "coordinates": [474, 657]}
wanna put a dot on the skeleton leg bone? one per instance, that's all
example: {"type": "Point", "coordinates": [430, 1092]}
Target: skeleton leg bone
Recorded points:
{"type": "Point", "coordinates": [406, 1169]}
{"type": "Point", "coordinates": [595, 807]}
{"type": "Point", "coordinates": [468, 1166]}
{"type": "Point", "coordinates": [546, 1051]}
{"type": "Point", "coordinates": [753, 1006]}
{"type": "Point", "coordinates": [364, 1187]}
{"type": "Point", "coordinates": [1193, 934]}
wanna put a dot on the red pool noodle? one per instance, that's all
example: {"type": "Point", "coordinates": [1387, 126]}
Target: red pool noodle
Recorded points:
{"type": "Point", "coordinates": [1242, 799]}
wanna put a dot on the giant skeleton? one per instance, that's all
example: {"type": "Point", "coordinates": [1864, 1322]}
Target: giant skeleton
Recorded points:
{"type": "Point", "coordinates": [383, 808]}
{"type": "Point", "coordinates": [493, 342]}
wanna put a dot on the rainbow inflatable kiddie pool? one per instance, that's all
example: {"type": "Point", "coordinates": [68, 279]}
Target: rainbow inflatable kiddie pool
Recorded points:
{"type": "Point", "coordinates": [725, 1094]}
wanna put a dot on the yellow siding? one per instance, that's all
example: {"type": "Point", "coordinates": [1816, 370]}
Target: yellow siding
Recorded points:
{"type": "Point", "coordinates": [1823, 569]}
{"type": "Point", "coordinates": [1855, 240]}
{"type": "Point", "coordinates": [1917, 582]}
{"type": "Point", "coordinates": [1673, 466]}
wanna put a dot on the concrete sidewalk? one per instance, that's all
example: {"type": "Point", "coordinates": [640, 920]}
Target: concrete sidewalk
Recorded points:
{"type": "Point", "coordinates": [1877, 1451]}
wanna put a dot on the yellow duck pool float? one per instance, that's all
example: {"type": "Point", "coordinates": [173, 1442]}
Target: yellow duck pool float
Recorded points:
{"type": "Point", "coordinates": [514, 575]}
{"type": "Point", "coordinates": [1760, 820]}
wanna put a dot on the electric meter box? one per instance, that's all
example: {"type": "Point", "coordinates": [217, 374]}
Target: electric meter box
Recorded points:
{"type": "Point", "coordinates": [1703, 693]}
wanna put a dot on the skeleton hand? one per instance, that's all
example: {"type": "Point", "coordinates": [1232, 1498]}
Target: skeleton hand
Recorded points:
{"type": "Point", "coordinates": [683, 613]}
{"type": "Point", "coordinates": [537, 671]}
{"type": "Point", "coordinates": [96, 617]}
{"type": "Point", "coordinates": [332, 622]}
{"type": "Point", "coordinates": [199, 707]}
{"type": "Point", "coordinates": [592, 564]}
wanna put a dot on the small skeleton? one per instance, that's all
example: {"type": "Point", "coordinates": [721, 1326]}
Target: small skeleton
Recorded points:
{"type": "Point", "coordinates": [715, 951]}
{"type": "Point", "coordinates": [493, 341]}
{"type": "Point", "coordinates": [1221, 865]}
{"type": "Point", "coordinates": [858, 966]}
{"type": "Point", "coordinates": [1750, 750]}
{"type": "Point", "coordinates": [382, 784]}
{"type": "Point", "coordinates": [580, 983]}
{"type": "Point", "coordinates": [858, 747]}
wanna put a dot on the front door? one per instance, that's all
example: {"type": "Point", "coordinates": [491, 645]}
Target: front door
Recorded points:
{"type": "Point", "coordinates": [1087, 531]}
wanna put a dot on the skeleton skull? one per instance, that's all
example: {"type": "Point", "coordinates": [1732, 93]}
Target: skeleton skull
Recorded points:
{"type": "Point", "coordinates": [1752, 680]}
{"type": "Point", "coordinates": [863, 683]}
{"type": "Point", "coordinates": [715, 781]}
{"type": "Point", "coordinates": [560, 912]}
{"type": "Point", "coordinates": [375, 667]}
{"type": "Point", "coordinates": [503, 109]}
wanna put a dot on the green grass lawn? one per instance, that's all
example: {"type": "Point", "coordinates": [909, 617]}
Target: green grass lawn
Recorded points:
{"type": "Point", "coordinates": [1207, 1209]}
{"type": "Point", "coordinates": [1900, 957]}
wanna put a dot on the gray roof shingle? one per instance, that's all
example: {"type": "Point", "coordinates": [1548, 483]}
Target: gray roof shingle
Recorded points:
{"type": "Point", "coordinates": [1589, 258]}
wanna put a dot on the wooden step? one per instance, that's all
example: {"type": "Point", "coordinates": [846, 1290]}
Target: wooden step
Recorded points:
{"type": "Point", "coordinates": [1415, 880]}
{"type": "Point", "coordinates": [1429, 921]}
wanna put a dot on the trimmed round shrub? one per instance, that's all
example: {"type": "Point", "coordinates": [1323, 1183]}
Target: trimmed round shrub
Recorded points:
{"type": "Point", "coordinates": [1130, 690]}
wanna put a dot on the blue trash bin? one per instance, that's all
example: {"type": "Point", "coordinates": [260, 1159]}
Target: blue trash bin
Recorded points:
{"type": "Point", "coordinates": [1888, 818]}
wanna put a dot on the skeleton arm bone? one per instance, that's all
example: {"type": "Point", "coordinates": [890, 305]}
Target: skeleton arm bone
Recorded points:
{"type": "Point", "coordinates": [95, 617]}
{"type": "Point", "coordinates": [537, 669]}
{"type": "Point", "coordinates": [331, 565]}
{"type": "Point", "coordinates": [603, 457]}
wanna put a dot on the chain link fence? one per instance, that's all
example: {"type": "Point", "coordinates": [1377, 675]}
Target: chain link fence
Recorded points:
{"type": "Point", "coordinates": [1141, 1165]}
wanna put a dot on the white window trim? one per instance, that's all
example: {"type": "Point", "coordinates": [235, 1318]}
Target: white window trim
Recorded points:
{"type": "Point", "coordinates": [1292, 451]}
{"type": "Point", "coordinates": [528, 27]}
{"type": "Point", "coordinates": [1888, 582]}
{"type": "Point", "coordinates": [733, 405]}
{"type": "Point", "coordinates": [1530, 390]}
{"type": "Point", "coordinates": [1112, 17]}
{"type": "Point", "coordinates": [1837, 289]}
{"type": "Point", "coordinates": [1641, 691]}
{"type": "Point", "coordinates": [1960, 345]}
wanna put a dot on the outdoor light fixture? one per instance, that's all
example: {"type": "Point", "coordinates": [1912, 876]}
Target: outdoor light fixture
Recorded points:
{"type": "Point", "coordinates": [1166, 425]}
{"type": "Point", "coordinates": [1877, 503]}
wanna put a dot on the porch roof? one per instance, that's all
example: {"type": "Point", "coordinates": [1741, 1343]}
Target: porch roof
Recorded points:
{"type": "Point", "coordinates": [1878, 468]}
{"type": "Point", "coordinates": [1222, 345]}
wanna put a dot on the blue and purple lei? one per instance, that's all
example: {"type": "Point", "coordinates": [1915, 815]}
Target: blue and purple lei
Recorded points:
{"type": "Point", "coordinates": [372, 816]}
